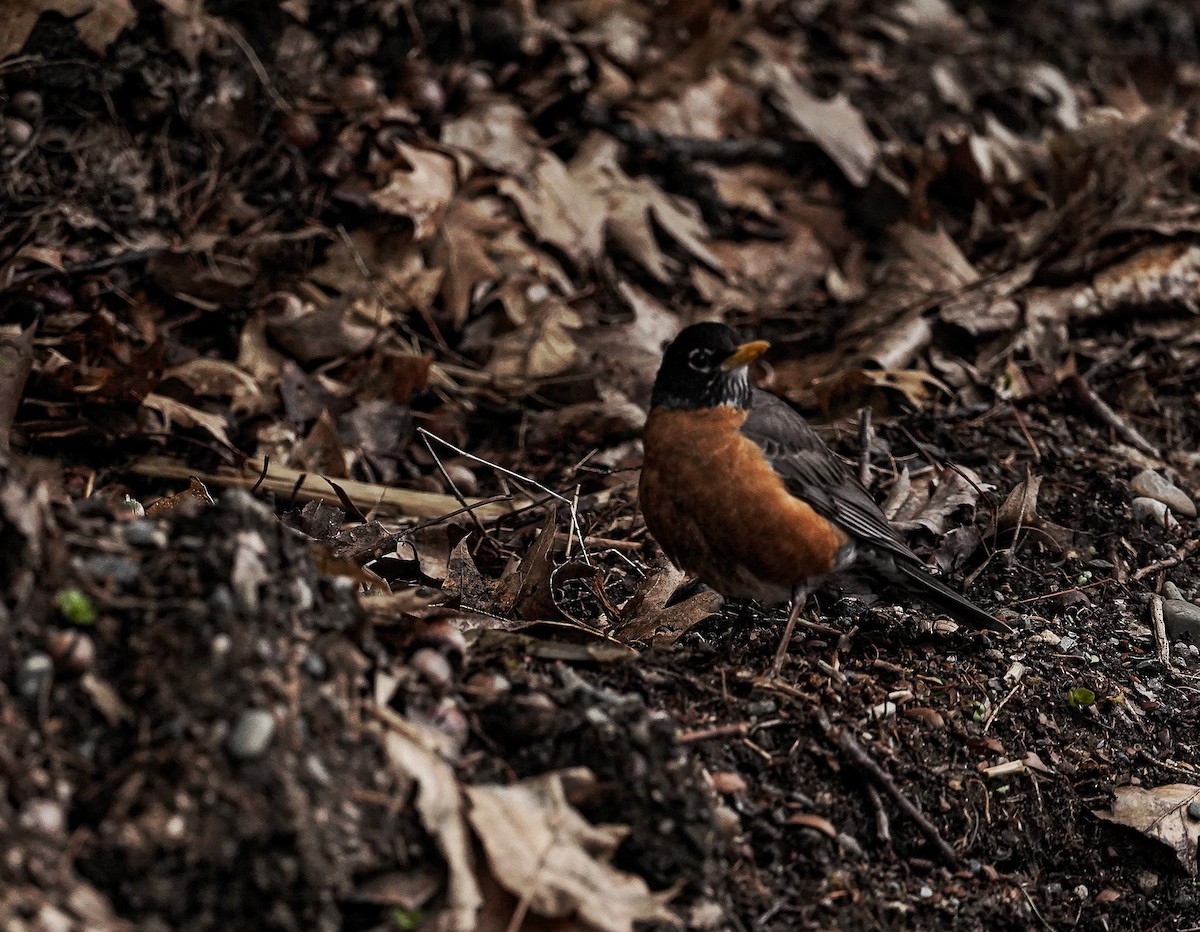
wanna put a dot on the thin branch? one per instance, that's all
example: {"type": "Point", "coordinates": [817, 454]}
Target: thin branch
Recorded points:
{"type": "Point", "coordinates": [857, 755]}
{"type": "Point", "coordinates": [519, 478]}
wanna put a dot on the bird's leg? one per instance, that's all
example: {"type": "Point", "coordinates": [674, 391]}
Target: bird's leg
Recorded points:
{"type": "Point", "coordinates": [798, 602]}
{"type": "Point", "coordinates": [738, 628]}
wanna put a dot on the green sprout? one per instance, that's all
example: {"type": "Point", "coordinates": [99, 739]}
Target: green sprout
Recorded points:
{"type": "Point", "coordinates": [1080, 697]}
{"type": "Point", "coordinates": [75, 606]}
{"type": "Point", "coordinates": [405, 919]}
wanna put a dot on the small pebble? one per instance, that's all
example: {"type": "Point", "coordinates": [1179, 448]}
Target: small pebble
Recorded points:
{"type": "Point", "coordinates": [1150, 511]}
{"type": "Point", "coordinates": [729, 823]}
{"type": "Point", "coordinates": [1067, 643]}
{"type": "Point", "coordinates": [1081, 891]}
{"type": "Point", "coordinates": [925, 893]}
{"type": "Point", "coordinates": [1171, 591]}
{"type": "Point", "coordinates": [1193, 810]}
{"type": "Point", "coordinates": [252, 734]}
{"type": "Point", "coordinates": [43, 815]}
{"type": "Point", "coordinates": [34, 673]}
{"type": "Point", "coordinates": [1152, 485]}
{"type": "Point", "coordinates": [433, 668]}
{"type": "Point", "coordinates": [27, 105]}
{"type": "Point", "coordinates": [1182, 620]}
{"type": "Point", "coordinates": [142, 533]}
{"type": "Point", "coordinates": [706, 914]}
{"type": "Point", "coordinates": [106, 566]}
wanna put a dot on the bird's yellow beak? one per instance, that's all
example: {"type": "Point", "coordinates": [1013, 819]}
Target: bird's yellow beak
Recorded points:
{"type": "Point", "coordinates": [744, 355]}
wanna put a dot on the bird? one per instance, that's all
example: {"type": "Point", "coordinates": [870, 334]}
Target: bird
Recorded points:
{"type": "Point", "coordinates": [742, 493]}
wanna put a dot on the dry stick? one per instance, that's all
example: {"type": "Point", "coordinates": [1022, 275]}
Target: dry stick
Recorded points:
{"type": "Point", "coordinates": [454, 488]}
{"type": "Point", "coordinates": [1184, 549]}
{"type": "Point", "coordinates": [1037, 453]}
{"type": "Point", "coordinates": [1158, 624]}
{"type": "Point", "coordinates": [858, 756]}
{"type": "Point", "coordinates": [1000, 705]}
{"type": "Point", "coordinates": [883, 824]}
{"type": "Point", "coordinates": [716, 731]}
{"type": "Point", "coordinates": [864, 446]}
{"type": "Point", "coordinates": [1100, 409]}
{"type": "Point", "coordinates": [518, 477]}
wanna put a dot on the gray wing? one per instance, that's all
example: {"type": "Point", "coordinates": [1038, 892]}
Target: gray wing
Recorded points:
{"type": "Point", "coordinates": [815, 475]}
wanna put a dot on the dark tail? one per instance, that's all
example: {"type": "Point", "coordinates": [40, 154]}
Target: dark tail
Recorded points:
{"type": "Point", "coordinates": [949, 601]}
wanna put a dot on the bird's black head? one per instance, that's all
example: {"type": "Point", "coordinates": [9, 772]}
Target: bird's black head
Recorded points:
{"type": "Point", "coordinates": [704, 367]}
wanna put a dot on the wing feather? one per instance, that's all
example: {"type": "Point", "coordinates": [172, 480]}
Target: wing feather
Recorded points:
{"type": "Point", "coordinates": [815, 475]}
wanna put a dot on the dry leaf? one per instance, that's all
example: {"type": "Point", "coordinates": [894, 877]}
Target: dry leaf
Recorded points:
{"type": "Point", "coordinates": [931, 506]}
{"type": "Point", "coordinates": [541, 347]}
{"type": "Point", "coordinates": [835, 125]}
{"type": "Point", "coordinates": [543, 851]}
{"type": "Point", "coordinates": [632, 202]}
{"type": "Point", "coordinates": [97, 23]}
{"type": "Point", "coordinates": [187, 416]}
{"type": "Point", "coordinates": [412, 752]}
{"type": "Point", "coordinates": [497, 133]}
{"type": "Point", "coordinates": [560, 210]}
{"type": "Point", "coordinates": [646, 613]}
{"type": "Point", "coordinates": [420, 192]}
{"type": "Point", "coordinates": [1161, 813]}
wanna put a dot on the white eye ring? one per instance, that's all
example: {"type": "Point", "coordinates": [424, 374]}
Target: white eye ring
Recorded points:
{"type": "Point", "coordinates": [698, 359]}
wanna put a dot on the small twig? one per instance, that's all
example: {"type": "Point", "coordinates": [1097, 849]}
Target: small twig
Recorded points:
{"type": "Point", "coordinates": [1158, 625]}
{"type": "Point", "coordinates": [239, 40]}
{"type": "Point", "coordinates": [266, 465]}
{"type": "Point", "coordinates": [1100, 409]}
{"type": "Point", "coordinates": [883, 823]}
{"type": "Point", "coordinates": [1055, 595]}
{"type": "Point", "coordinates": [860, 758]}
{"type": "Point", "coordinates": [513, 475]}
{"type": "Point", "coordinates": [1184, 550]}
{"type": "Point", "coordinates": [1037, 453]}
{"type": "Point", "coordinates": [453, 487]}
{"type": "Point", "coordinates": [864, 446]}
{"type": "Point", "coordinates": [716, 731]}
{"type": "Point", "coordinates": [1000, 705]}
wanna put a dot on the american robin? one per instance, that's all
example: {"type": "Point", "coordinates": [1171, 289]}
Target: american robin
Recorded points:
{"type": "Point", "coordinates": [741, 492]}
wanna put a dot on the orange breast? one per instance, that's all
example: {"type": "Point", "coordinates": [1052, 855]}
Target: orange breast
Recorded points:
{"type": "Point", "coordinates": [720, 511]}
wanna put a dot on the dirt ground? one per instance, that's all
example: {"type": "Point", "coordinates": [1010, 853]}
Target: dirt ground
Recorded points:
{"type": "Point", "coordinates": [326, 336]}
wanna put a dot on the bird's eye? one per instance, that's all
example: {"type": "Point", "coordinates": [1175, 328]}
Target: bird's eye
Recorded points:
{"type": "Point", "coordinates": [699, 359]}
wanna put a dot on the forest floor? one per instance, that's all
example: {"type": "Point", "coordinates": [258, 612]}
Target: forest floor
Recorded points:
{"type": "Point", "coordinates": [326, 339]}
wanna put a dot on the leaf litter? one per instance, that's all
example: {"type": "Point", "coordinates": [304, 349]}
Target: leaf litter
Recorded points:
{"type": "Point", "coordinates": [261, 252]}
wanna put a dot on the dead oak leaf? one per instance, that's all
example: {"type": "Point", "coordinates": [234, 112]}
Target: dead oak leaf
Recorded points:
{"type": "Point", "coordinates": [420, 192]}
{"type": "Point", "coordinates": [558, 209]}
{"type": "Point", "coordinates": [497, 133]}
{"type": "Point", "coordinates": [96, 23]}
{"type": "Point", "coordinates": [187, 416]}
{"type": "Point", "coordinates": [835, 125]}
{"type": "Point", "coordinates": [1163, 813]}
{"type": "Point", "coordinates": [542, 850]}
{"type": "Point", "coordinates": [633, 203]}
{"type": "Point", "coordinates": [541, 346]}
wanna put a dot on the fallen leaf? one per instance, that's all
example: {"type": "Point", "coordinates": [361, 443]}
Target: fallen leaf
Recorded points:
{"type": "Point", "coordinates": [543, 851]}
{"type": "Point", "coordinates": [632, 202]}
{"type": "Point", "coordinates": [412, 751]}
{"type": "Point", "coordinates": [541, 346]}
{"type": "Point", "coordinates": [560, 210]}
{"type": "Point", "coordinates": [835, 125]}
{"type": "Point", "coordinates": [97, 23]}
{"type": "Point", "coordinates": [646, 613]}
{"type": "Point", "coordinates": [497, 133]}
{"type": "Point", "coordinates": [1163, 813]}
{"type": "Point", "coordinates": [187, 416]}
{"type": "Point", "coordinates": [420, 190]}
